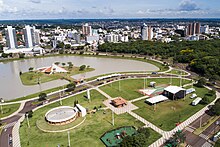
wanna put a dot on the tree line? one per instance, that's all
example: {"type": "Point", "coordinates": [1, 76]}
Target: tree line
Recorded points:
{"type": "Point", "coordinates": [202, 56]}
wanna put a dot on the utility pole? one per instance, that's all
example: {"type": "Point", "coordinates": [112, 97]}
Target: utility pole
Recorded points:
{"type": "Point", "coordinates": [113, 119]}
{"type": "Point", "coordinates": [144, 83]}
{"type": "Point", "coordinates": [1, 101]}
{"type": "Point", "coordinates": [181, 78]}
{"type": "Point", "coordinates": [68, 132]}
{"type": "Point", "coordinates": [200, 123]}
{"type": "Point", "coordinates": [119, 85]}
{"type": "Point", "coordinates": [60, 98]}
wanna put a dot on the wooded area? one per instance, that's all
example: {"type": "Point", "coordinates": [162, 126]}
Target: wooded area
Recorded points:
{"type": "Point", "coordinates": [203, 56]}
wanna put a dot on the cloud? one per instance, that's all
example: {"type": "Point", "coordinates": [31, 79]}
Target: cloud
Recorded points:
{"type": "Point", "coordinates": [188, 5]}
{"type": "Point", "coordinates": [35, 1]}
{"type": "Point", "coordinates": [6, 9]}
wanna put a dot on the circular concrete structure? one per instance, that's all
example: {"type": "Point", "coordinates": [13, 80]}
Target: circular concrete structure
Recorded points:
{"type": "Point", "coordinates": [61, 115]}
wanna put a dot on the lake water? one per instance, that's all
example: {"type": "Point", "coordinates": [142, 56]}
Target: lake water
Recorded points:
{"type": "Point", "coordinates": [11, 86]}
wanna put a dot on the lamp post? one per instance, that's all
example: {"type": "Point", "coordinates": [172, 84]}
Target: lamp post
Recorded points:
{"type": "Point", "coordinates": [68, 133]}
{"type": "Point", "coordinates": [60, 97]}
{"type": "Point", "coordinates": [119, 85]}
{"type": "Point", "coordinates": [113, 119]}
{"type": "Point", "coordinates": [1, 101]}
{"type": "Point", "coordinates": [27, 120]}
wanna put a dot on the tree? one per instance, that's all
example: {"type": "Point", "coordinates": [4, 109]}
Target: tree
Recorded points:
{"type": "Point", "coordinates": [57, 63]}
{"type": "Point", "coordinates": [60, 45]}
{"type": "Point", "coordinates": [71, 87]}
{"type": "Point", "coordinates": [30, 114]}
{"type": "Point", "coordinates": [82, 67]}
{"type": "Point", "coordinates": [31, 69]}
{"type": "Point", "coordinates": [63, 64]}
{"type": "Point", "coordinates": [22, 55]}
{"type": "Point", "coordinates": [215, 109]}
{"type": "Point", "coordinates": [70, 65]}
{"type": "Point", "coordinates": [42, 96]}
{"type": "Point", "coordinates": [67, 46]}
{"type": "Point", "coordinates": [61, 51]}
{"type": "Point", "coordinates": [178, 138]}
{"type": "Point", "coordinates": [217, 144]}
{"type": "Point", "coordinates": [201, 82]}
{"type": "Point", "coordinates": [5, 55]}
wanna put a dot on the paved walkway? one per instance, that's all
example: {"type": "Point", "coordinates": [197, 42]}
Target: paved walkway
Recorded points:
{"type": "Point", "coordinates": [147, 123]}
{"type": "Point", "coordinates": [140, 98]}
{"type": "Point", "coordinates": [15, 133]}
{"type": "Point", "coordinates": [103, 93]}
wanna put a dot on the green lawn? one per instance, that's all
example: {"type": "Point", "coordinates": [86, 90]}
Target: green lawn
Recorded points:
{"type": "Point", "coordinates": [168, 113]}
{"type": "Point", "coordinates": [9, 109]}
{"type": "Point", "coordinates": [32, 78]}
{"type": "Point", "coordinates": [130, 87]}
{"type": "Point", "coordinates": [87, 134]}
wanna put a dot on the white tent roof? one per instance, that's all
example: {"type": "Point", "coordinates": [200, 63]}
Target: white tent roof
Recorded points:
{"type": "Point", "coordinates": [156, 99]}
{"type": "Point", "coordinates": [173, 89]}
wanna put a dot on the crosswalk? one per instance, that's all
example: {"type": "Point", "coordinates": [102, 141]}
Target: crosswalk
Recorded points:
{"type": "Point", "coordinates": [204, 136]}
{"type": "Point", "coordinates": [9, 125]}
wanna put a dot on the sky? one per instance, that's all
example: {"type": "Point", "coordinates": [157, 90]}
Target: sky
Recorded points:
{"type": "Point", "coordinates": [75, 9]}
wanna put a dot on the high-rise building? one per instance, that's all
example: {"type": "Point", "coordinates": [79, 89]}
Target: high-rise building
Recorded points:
{"type": "Point", "coordinates": [31, 36]}
{"type": "Point", "coordinates": [146, 32]}
{"type": "Point", "coordinates": [1, 38]}
{"type": "Point", "coordinates": [204, 29]}
{"type": "Point", "coordinates": [76, 37]}
{"type": "Point", "coordinates": [86, 30]}
{"type": "Point", "coordinates": [11, 39]}
{"type": "Point", "coordinates": [193, 29]}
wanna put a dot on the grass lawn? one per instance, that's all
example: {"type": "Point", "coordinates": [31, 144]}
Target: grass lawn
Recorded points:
{"type": "Point", "coordinates": [32, 78]}
{"type": "Point", "coordinates": [169, 113]}
{"type": "Point", "coordinates": [87, 134]}
{"type": "Point", "coordinates": [9, 109]}
{"type": "Point", "coordinates": [130, 87]}
{"type": "Point", "coordinates": [177, 72]}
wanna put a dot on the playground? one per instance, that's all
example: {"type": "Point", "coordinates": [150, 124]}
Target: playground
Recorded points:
{"type": "Point", "coordinates": [115, 137]}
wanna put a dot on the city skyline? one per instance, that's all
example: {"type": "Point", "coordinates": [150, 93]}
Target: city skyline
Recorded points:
{"type": "Point", "coordinates": [73, 9]}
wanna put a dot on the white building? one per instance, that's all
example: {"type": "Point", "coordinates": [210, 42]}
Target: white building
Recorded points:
{"type": "Point", "coordinates": [91, 39]}
{"type": "Point", "coordinates": [31, 36]}
{"type": "Point", "coordinates": [146, 32]}
{"type": "Point", "coordinates": [204, 29]}
{"type": "Point", "coordinates": [87, 30]}
{"type": "Point", "coordinates": [11, 38]}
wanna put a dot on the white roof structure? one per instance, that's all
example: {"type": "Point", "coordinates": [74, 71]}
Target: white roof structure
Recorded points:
{"type": "Point", "coordinates": [81, 109]}
{"type": "Point", "coordinates": [190, 90]}
{"type": "Point", "coordinates": [156, 99]}
{"type": "Point", "coordinates": [173, 89]}
{"type": "Point", "coordinates": [147, 91]}
{"type": "Point", "coordinates": [60, 114]}
{"type": "Point", "coordinates": [52, 69]}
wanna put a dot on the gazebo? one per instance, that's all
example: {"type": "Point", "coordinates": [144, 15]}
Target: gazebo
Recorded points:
{"type": "Point", "coordinates": [119, 102]}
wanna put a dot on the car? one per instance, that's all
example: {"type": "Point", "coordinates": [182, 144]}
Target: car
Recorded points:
{"type": "Point", "coordinates": [10, 139]}
{"type": "Point", "coordinates": [193, 96]}
{"type": "Point", "coordinates": [154, 73]}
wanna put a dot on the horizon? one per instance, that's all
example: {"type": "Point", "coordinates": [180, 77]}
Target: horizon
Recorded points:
{"type": "Point", "coordinates": [98, 9]}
